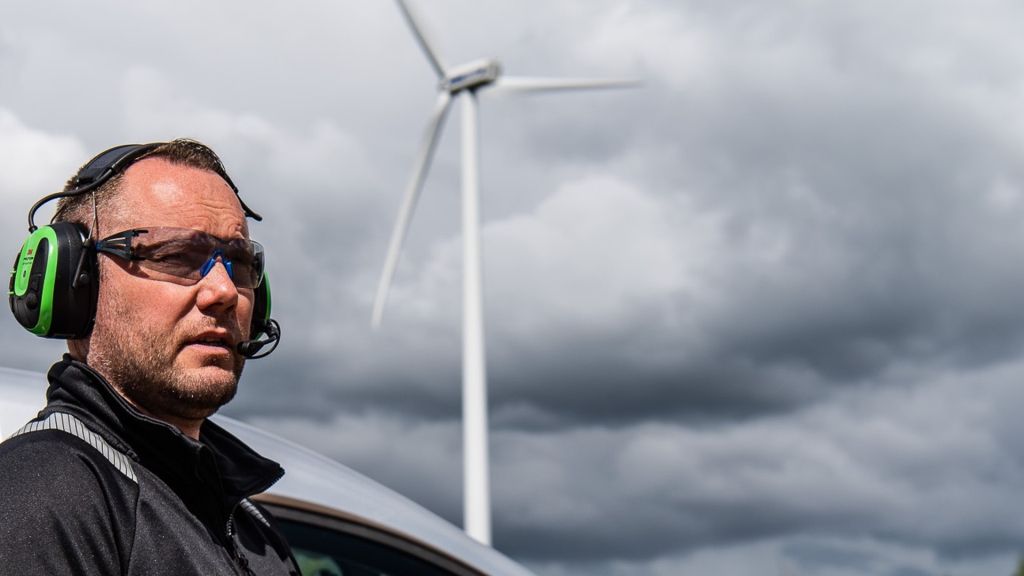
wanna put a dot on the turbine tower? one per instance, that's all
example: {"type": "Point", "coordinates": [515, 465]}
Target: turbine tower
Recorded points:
{"type": "Point", "coordinates": [454, 82]}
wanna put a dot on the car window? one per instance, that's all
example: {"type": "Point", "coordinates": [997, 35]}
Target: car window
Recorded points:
{"type": "Point", "coordinates": [324, 552]}
{"type": "Point", "coordinates": [328, 546]}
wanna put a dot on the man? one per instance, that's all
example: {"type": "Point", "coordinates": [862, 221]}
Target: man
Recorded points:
{"type": "Point", "coordinates": [122, 473]}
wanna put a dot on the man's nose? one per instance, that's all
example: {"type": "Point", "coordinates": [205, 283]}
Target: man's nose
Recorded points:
{"type": "Point", "coordinates": [217, 287]}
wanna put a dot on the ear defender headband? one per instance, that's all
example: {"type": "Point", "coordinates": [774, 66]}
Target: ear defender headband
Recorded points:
{"type": "Point", "coordinates": [55, 280]}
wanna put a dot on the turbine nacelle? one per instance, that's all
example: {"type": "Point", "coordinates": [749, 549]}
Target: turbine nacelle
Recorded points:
{"type": "Point", "coordinates": [471, 75]}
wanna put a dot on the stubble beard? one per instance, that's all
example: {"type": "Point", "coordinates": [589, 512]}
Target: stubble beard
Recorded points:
{"type": "Point", "coordinates": [139, 362]}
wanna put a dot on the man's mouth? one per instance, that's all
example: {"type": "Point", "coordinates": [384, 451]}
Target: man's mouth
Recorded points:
{"type": "Point", "coordinates": [210, 343]}
{"type": "Point", "coordinates": [224, 341]}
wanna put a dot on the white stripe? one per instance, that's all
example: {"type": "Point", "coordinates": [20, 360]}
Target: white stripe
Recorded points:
{"type": "Point", "coordinates": [253, 511]}
{"type": "Point", "coordinates": [71, 425]}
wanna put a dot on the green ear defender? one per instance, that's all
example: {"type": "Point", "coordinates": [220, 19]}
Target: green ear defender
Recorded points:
{"type": "Point", "coordinates": [262, 324]}
{"type": "Point", "coordinates": [261, 304]}
{"type": "Point", "coordinates": [53, 285]}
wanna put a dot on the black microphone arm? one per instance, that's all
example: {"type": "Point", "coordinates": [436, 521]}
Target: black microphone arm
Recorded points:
{"type": "Point", "coordinates": [251, 348]}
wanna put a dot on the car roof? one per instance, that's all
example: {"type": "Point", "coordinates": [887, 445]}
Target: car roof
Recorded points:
{"type": "Point", "coordinates": [312, 481]}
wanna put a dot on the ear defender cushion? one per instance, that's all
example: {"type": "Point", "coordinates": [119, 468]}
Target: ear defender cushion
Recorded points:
{"type": "Point", "coordinates": [260, 308]}
{"type": "Point", "coordinates": [43, 292]}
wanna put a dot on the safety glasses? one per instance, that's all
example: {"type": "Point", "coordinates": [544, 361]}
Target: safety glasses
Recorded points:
{"type": "Point", "coordinates": [185, 256]}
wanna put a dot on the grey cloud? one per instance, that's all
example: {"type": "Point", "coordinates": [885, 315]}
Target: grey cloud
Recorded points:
{"type": "Point", "coordinates": [883, 466]}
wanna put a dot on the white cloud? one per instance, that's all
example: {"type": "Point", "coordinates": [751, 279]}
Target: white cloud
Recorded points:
{"type": "Point", "coordinates": [34, 162]}
{"type": "Point", "coordinates": [589, 256]}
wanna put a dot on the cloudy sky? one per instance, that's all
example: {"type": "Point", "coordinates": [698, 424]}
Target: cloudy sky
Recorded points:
{"type": "Point", "coordinates": [762, 316]}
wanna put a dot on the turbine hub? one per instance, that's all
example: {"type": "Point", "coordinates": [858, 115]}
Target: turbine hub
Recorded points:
{"type": "Point", "coordinates": [471, 76]}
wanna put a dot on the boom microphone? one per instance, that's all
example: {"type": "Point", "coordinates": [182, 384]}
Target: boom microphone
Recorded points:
{"type": "Point", "coordinates": [250, 348]}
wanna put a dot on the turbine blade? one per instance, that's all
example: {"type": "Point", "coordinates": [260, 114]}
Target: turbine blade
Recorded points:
{"type": "Point", "coordinates": [559, 84]}
{"type": "Point", "coordinates": [421, 38]}
{"type": "Point", "coordinates": [412, 193]}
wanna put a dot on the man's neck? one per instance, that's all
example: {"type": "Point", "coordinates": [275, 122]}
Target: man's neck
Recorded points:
{"type": "Point", "coordinates": [188, 426]}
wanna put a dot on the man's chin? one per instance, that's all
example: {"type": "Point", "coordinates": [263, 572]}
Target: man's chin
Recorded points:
{"type": "Point", "coordinates": [201, 391]}
{"type": "Point", "coordinates": [209, 376]}
{"type": "Point", "coordinates": [187, 394]}
{"type": "Point", "coordinates": [207, 372]}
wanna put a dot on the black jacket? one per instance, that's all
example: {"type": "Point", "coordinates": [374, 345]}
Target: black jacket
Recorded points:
{"type": "Point", "coordinates": [129, 495]}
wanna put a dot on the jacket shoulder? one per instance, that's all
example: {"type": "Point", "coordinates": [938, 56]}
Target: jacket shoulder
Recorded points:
{"type": "Point", "coordinates": [72, 426]}
{"type": "Point", "coordinates": [60, 493]}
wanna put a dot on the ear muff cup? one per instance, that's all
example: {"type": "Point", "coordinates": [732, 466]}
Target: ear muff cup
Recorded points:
{"type": "Point", "coordinates": [45, 295]}
{"type": "Point", "coordinates": [260, 309]}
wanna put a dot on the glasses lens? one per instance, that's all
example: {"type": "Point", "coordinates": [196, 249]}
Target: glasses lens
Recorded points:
{"type": "Point", "coordinates": [246, 258]}
{"type": "Point", "coordinates": [184, 253]}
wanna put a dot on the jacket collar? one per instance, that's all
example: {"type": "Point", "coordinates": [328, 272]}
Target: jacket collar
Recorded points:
{"type": "Point", "coordinates": [218, 462]}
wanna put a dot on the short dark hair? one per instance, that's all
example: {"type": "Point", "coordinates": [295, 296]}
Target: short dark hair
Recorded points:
{"type": "Point", "coordinates": [182, 151]}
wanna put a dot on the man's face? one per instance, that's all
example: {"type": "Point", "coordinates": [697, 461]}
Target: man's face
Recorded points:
{"type": "Point", "coordinates": [152, 338]}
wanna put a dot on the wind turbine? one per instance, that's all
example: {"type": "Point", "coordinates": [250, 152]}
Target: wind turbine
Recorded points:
{"type": "Point", "coordinates": [454, 82]}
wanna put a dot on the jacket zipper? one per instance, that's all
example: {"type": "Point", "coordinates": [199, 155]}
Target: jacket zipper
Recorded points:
{"type": "Point", "coordinates": [233, 549]}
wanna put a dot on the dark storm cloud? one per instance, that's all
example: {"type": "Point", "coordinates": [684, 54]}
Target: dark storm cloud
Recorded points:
{"type": "Point", "coordinates": [853, 234]}
{"type": "Point", "coordinates": [879, 192]}
{"type": "Point", "coordinates": [856, 223]}
{"type": "Point", "coordinates": [895, 466]}
{"type": "Point", "coordinates": [816, 555]}
{"type": "Point", "coordinates": [914, 467]}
